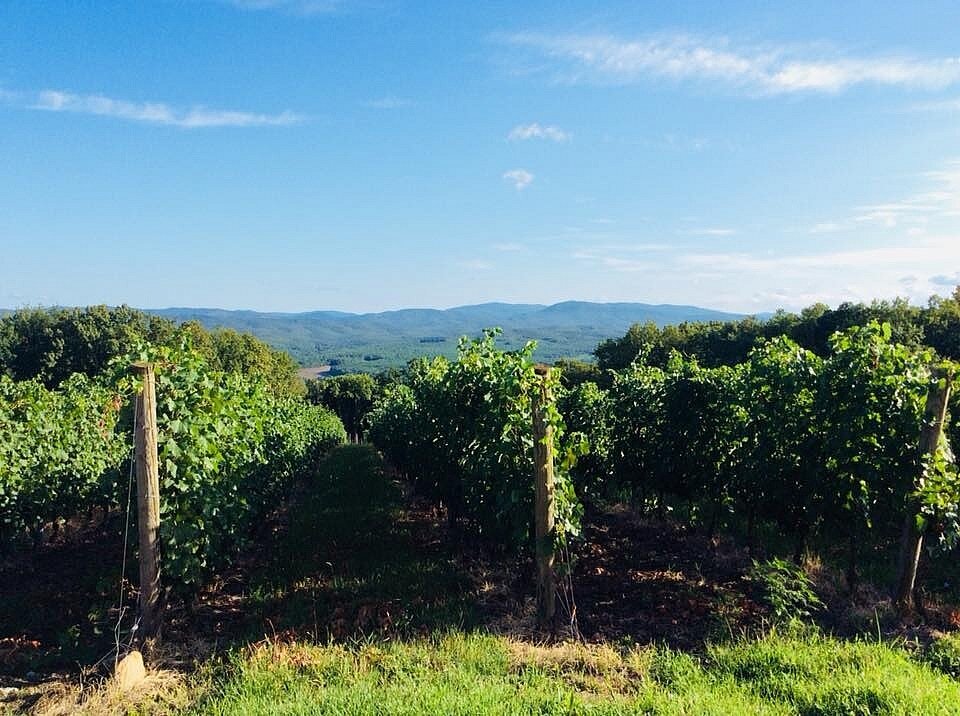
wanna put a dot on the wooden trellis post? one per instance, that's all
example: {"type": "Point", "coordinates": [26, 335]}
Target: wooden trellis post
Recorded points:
{"type": "Point", "coordinates": [148, 501]}
{"type": "Point", "coordinates": [912, 538]}
{"type": "Point", "coordinates": [544, 500]}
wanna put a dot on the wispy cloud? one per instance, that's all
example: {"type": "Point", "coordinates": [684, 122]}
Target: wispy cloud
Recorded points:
{"type": "Point", "coordinates": [614, 262]}
{"type": "Point", "coordinates": [890, 215]}
{"type": "Point", "coordinates": [475, 265]}
{"type": "Point", "coordinates": [711, 231]}
{"type": "Point", "coordinates": [926, 253]}
{"type": "Point", "coordinates": [146, 112]}
{"type": "Point", "coordinates": [945, 105]}
{"type": "Point", "coordinates": [389, 102]}
{"type": "Point", "coordinates": [297, 7]}
{"type": "Point", "coordinates": [833, 270]}
{"type": "Point", "coordinates": [612, 256]}
{"type": "Point", "coordinates": [946, 281]}
{"type": "Point", "coordinates": [536, 131]}
{"type": "Point", "coordinates": [509, 247]}
{"type": "Point", "coordinates": [683, 143]}
{"type": "Point", "coordinates": [520, 178]}
{"type": "Point", "coordinates": [762, 70]}
{"type": "Point", "coordinates": [826, 227]}
{"type": "Point", "coordinates": [939, 200]}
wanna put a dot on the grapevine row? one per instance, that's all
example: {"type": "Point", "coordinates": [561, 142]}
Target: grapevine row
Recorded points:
{"type": "Point", "coordinates": [229, 448]}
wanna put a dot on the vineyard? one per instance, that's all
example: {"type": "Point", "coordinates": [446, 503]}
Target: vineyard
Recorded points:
{"type": "Point", "coordinates": [820, 450]}
{"type": "Point", "coordinates": [229, 448]}
{"type": "Point", "coordinates": [702, 516]}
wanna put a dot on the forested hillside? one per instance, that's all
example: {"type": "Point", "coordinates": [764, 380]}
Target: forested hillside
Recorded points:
{"type": "Point", "coordinates": [373, 342]}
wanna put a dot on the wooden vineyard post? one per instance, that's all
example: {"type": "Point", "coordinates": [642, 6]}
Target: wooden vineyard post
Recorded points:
{"type": "Point", "coordinates": [911, 541]}
{"type": "Point", "coordinates": [544, 500]}
{"type": "Point", "coordinates": [148, 501]}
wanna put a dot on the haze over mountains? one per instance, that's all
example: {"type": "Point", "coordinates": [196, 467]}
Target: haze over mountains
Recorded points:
{"type": "Point", "coordinates": [375, 341]}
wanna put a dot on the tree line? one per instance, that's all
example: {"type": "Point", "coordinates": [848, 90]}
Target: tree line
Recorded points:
{"type": "Point", "coordinates": [715, 343]}
{"type": "Point", "coordinates": [51, 345]}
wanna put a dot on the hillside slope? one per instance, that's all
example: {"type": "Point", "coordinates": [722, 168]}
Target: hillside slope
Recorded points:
{"type": "Point", "coordinates": [374, 341]}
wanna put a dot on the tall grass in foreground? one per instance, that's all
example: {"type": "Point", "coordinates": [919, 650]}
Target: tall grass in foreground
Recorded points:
{"type": "Point", "coordinates": [480, 674]}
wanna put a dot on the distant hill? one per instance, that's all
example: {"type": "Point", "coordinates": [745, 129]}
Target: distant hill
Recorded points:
{"type": "Point", "coordinates": [375, 341]}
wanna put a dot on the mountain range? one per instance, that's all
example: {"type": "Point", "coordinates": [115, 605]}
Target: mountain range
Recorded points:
{"type": "Point", "coordinates": [376, 341]}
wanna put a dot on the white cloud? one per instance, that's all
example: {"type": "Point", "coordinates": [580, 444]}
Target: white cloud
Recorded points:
{"type": "Point", "coordinates": [154, 112]}
{"type": "Point", "coordinates": [535, 131]}
{"type": "Point", "coordinates": [520, 178]}
{"type": "Point", "coordinates": [777, 70]}
{"type": "Point", "coordinates": [509, 247]}
{"type": "Point", "coordinates": [836, 75]}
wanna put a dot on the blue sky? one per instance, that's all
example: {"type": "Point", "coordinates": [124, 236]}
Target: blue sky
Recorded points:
{"type": "Point", "coordinates": [370, 154]}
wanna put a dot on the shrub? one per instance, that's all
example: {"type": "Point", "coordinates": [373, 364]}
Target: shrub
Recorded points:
{"type": "Point", "coordinates": [786, 589]}
{"type": "Point", "coordinates": [944, 655]}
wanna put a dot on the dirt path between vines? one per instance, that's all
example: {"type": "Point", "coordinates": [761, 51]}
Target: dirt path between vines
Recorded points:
{"type": "Point", "coordinates": [352, 555]}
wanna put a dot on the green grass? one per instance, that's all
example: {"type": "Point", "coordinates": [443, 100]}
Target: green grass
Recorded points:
{"type": "Point", "coordinates": [462, 673]}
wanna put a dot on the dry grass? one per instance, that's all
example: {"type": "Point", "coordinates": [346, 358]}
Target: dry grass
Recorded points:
{"type": "Point", "coordinates": [163, 691]}
{"type": "Point", "coordinates": [862, 611]}
{"type": "Point", "coordinates": [597, 669]}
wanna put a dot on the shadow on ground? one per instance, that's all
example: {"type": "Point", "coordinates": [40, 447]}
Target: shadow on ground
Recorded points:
{"type": "Point", "coordinates": [348, 556]}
